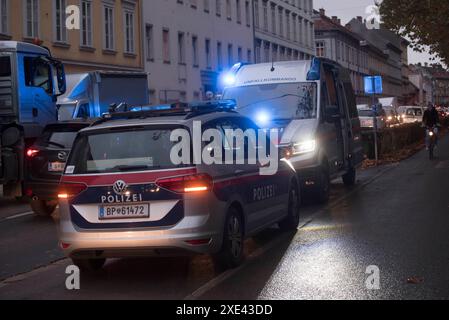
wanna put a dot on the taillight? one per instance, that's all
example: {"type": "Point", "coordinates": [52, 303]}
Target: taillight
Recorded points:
{"type": "Point", "coordinates": [70, 190]}
{"type": "Point", "coordinates": [32, 152]}
{"type": "Point", "coordinates": [187, 184]}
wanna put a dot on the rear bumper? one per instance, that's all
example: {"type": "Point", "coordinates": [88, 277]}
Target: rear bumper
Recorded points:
{"type": "Point", "coordinates": [43, 190]}
{"type": "Point", "coordinates": [173, 240]}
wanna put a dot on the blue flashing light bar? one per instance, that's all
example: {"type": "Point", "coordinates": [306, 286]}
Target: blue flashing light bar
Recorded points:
{"type": "Point", "coordinates": [314, 73]}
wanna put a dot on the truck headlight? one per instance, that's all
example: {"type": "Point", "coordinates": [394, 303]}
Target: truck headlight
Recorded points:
{"type": "Point", "coordinates": [304, 147]}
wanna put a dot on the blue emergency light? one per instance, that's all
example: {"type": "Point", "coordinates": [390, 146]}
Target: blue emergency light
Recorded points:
{"type": "Point", "coordinates": [314, 73]}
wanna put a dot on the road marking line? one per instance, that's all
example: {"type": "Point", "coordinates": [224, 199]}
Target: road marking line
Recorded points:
{"type": "Point", "coordinates": [24, 276]}
{"type": "Point", "coordinates": [261, 251]}
{"type": "Point", "coordinates": [19, 215]}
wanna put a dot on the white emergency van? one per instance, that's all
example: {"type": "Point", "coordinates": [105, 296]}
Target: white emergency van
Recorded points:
{"type": "Point", "coordinates": [313, 105]}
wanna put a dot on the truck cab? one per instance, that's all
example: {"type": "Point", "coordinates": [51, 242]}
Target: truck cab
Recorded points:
{"type": "Point", "coordinates": [90, 94]}
{"type": "Point", "coordinates": [30, 82]}
{"type": "Point", "coordinates": [312, 104]}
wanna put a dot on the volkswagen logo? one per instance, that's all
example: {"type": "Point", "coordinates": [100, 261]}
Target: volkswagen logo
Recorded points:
{"type": "Point", "coordinates": [120, 187]}
{"type": "Point", "coordinates": [62, 155]}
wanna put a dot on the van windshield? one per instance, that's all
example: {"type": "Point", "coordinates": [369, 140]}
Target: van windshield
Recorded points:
{"type": "Point", "coordinates": [125, 150]}
{"type": "Point", "coordinates": [271, 102]}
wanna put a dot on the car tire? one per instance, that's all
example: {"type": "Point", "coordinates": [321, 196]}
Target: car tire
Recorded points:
{"type": "Point", "coordinates": [89, 265]}
{"type": "Point", "coordinates": [291, 222]}
{"type": "Point", "coordinates": [322, 189]}
{"type": "Point", "coordinates": [231, 254]}
{"type": "Point", "coordinates": [349, 179]}
{"type": "Point", "coordinates": [42, 208]}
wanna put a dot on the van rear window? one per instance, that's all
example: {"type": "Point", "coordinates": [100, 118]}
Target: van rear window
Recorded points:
{"type": "Point", "coordinates": [5, 67]}
{"type": "Point", "coordinates": [123, 151]}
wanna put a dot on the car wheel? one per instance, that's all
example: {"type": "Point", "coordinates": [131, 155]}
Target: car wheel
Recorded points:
{"type": "Point", "coordinates": [232, 251]}
{"type": "Point", "coordinates": [291, 222]}
{"type": "Point", "coordinates": [42, 208]}
{"type": "Point", "coordinates": [322, 190]}
{"type": "Point", "coordinates": [349, 179]}
{"type": "Point", "coordinates": [89, 265]}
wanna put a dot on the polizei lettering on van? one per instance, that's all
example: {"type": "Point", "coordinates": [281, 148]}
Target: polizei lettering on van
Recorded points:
{"type": "Point", "coordinates": [122, 198]}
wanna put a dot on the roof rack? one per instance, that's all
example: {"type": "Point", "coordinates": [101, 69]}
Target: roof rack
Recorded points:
{"type": "Point", "coordinates": [189, 110]}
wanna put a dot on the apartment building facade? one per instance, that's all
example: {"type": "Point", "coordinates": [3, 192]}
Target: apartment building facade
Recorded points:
{"type": "Point", "coordinates": [336, 42]}
{"type": "Point", "coordinates": [384, 53]}
{"type": "Point", "coordinates": [190, 43]}
{"type": "Point", "coordinates": [109, 37]}
{"type": "Point", "coordinates": [283, 30]}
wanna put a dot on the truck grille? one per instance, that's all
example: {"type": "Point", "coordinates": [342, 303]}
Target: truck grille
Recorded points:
{"type": "Point", "coordinates": [6, 106]}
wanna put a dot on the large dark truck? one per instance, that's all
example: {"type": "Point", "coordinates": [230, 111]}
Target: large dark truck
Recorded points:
{"type": "Point", "coordinates": [30, 83]}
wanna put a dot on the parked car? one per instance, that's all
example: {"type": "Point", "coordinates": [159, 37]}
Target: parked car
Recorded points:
{"type": "Point", "coordinates": [122, 195]}
{"type": "Point", "coordinates": [411, 114]}
{"type": "Point", "coordinates": [45, 162]}
{"type": "Point", "coordinates": [315, 111]}
{"type": "Point", "coordinates": [367, 119]}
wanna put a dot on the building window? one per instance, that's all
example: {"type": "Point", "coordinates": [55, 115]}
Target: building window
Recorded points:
{"type": "Point", "coordinates": [181, 48]}
{"type": "Point", "coordinates": [230, 55]}
{"type": "Point", "coordinates": [273, 19]}
{"type": "Point", "coordinates": [108, 25]}
{"type": "Point", "coordinates": [258, 44]}
{"type": "Point", "coordinates": [149, 42]}
{"type": "Point", "coordinates": [219, 56]}
{"type": "Point", "coordinates": [281, 23]}
{"type": "Point", "coordinates": [228, 9]}
{"type": "Point", "coordinates": [320, 49]}
{"type": "Point", "coordinates": [4, 22]}
{"type": "Point", "coordinates": [218, 7]}
{"type": "Point", "coordinates": [287, 21]}
{"type": "Point", "coordinates": [129, 31]}
{"type": "Point", "coordinates": [239, 54]}
{"type": "Point", "coordinates": [86, 23]}
{"type": "Point", "coordinates": [239, 11]}
{"type": "Point", "coordinates": [208, 54]}
{"type": "Point", "coordinates": [59, 21]}
{"type": "Point", "coordinates": [206, 6]}
{"type": "Point", "coordinates": [265, 15]}
{"type": "Point", "coordinates": [256, 13]}
{"type": "Point", "coordinates": [195, 51]}
{"type": "Point", "coordinates": [166, 45]}
{"type": "Point", "coordinates": [249, 56]}
{"type": "Point", "coordinates": [31, 18]}
{"type": "Point", "coordinates": [247, 13]}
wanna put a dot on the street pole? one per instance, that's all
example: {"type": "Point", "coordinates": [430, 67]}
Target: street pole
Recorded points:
{"type": "Point", "coordinates": [374, 108]}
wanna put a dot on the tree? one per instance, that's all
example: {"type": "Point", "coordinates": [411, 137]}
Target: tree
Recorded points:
{"type": "Point", "coordinates": [423, 22]}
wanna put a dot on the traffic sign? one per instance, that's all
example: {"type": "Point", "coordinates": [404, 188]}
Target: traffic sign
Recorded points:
{"type": "Point", "coordinates": [373, 85]}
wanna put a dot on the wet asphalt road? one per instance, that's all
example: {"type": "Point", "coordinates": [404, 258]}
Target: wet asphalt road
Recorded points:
{"type": "Point", "coordinates": [396, 219]}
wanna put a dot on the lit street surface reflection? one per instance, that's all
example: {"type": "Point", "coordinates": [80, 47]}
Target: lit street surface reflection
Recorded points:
{"type": "Point", "coordinates": [394, 219]}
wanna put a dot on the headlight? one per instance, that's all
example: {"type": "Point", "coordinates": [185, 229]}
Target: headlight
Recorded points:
{"type": "Point", "coordinates": [431, 133]}
{"type": "Point", "coordinates": [304, 147]}
{"type": "Point", "coordinates": [390, 118]}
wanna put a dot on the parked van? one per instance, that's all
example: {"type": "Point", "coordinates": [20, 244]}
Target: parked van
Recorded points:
{"type": "Point", "coordinates": [411, 114]}
{"type": "Point", "coordinates": [313, 105]}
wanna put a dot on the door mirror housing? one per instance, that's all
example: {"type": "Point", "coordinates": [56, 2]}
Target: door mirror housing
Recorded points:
{"type": "Point", "coordinates": [331, 114]}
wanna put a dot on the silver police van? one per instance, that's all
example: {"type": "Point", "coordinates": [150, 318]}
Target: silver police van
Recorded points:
{"type": "Point", "coordinates": [124, 193]}
{"type": "Point", "coordinates": [312, 104]}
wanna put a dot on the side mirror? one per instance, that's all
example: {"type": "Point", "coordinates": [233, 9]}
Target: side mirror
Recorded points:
{"type": "Point", "coordinates": [331, 114]}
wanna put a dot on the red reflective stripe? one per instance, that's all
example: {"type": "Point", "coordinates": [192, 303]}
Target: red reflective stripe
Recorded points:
{"type": "Point", "coordinates": [129, 178]}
